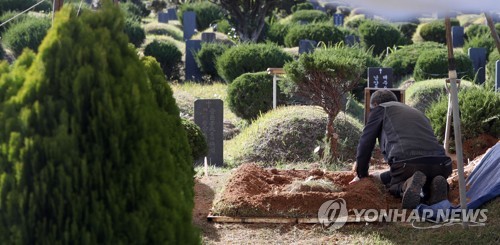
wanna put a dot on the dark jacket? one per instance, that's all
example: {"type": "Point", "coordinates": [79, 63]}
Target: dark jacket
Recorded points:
{"type": "Point", "coordinates": [404, 135]}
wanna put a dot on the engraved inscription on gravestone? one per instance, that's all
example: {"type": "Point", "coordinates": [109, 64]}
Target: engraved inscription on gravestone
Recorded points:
{"type": "Point", "coordinates": [208, 115]}
{"type": "Point", "coordinates": [379, 77]}
{"type": "Point", "coordinates": [338, 19]}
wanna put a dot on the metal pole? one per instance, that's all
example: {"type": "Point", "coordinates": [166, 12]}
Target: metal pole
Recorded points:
{"type": "Point", "coordinates": [274, 91]}
{"type": "Point", "coordinates": [452, 73]}
{"type": "Point", "coordinates": [448, 125]}
{"type": "Point", "coordinates": [493, 31]}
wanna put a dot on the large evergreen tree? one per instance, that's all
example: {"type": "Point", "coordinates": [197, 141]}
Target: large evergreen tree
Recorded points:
{"type": "Point", "coordinates": [88, 156]}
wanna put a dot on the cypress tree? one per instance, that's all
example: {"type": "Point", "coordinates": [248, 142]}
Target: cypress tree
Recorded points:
{"type": "Point", "coordinates": [88, 155]}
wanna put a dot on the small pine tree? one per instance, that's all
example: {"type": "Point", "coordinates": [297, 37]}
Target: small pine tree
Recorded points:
{"type": "Point", "coordinates": [89, 155]}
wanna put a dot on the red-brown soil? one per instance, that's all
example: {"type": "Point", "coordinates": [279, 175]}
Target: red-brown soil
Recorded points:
{"type": "Point", "coordinates": [477, 146]}
{"type": "Point", "coordinates": [254, 191]}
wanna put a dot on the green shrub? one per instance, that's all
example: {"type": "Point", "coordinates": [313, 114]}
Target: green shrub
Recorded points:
{"type": "Point", "coordinates": [134, 31]}
{"type": "Point", "coordinates": [320, 32]}
{"type": "Point", "coordinates": [141, 6]}
{"type": "Point", "coordinates": [250, 95]}
{"type": "Point", "coordinates": [302, 6]}
{"type": "Point", "coordinates": [157, 5]}
{"type": "Point", "coordinates": [497, 27]}
{"type": "Point", "coordinates": [206, 13]}
{"type": "Point", "coordinates": [223, 26]}
{"type": "Point", "coordinates": [379, 36]}
{"type": "Point", "coordinates": [408, 29]}
{"type": "Point", "coordinates": [353, 22]}
{"type": "Point", "coordinates": [164, 29]}
{"type": "Point", "coordinates": [100, 161]}
{"type": "Point", "coordinates": [287, 5]}
{"type": "Point", "coordinates": [277, 33]}
{"type": "Point", "coordinates": [290, 134]}
{"type": "Point", "coordinates": [207, 56]}
{"type": "Point", "coordinates": [434, 64]}
{"type": "Point", "coordinates": [131, 11]}
{"type": "Point", "coordinates": [480, 41]}
{"type": "Point", "coordinates": [476, 30]}
{"type": "Point", "coordinates": [168, 55]}
{"type": "Point", "coordinates": [196, 139]}
{"type": "Point", "coordinates": [28, 33]}
{"type": "Point", "coordinates": [436, 31]}
{"type": "Point", "coordinates": [479, 114]}
{"type": "Point", "coordinates": [309, 16]}
{"type": "Point", "coordinates": [404, 59]}
{"type": "Point", "coordinates": [21, 5]}
{"type": "Point", "coordinates": [9, 14]}
{"type": "Point", "coordinates": [421, 95]}
{"type": "Point", "coordinates": [490, 70]}
{"type": "Point", "coordinates": [250, 57]}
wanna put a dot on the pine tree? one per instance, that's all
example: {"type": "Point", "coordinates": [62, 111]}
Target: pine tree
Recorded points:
{"type": "Point", "coordinates": [88, 156]}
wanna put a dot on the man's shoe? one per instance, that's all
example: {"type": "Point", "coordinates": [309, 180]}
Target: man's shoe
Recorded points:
{"type": "Point", "coordinates": [439, 190]}
{"type": "Point", "coordinates": [412, 189]}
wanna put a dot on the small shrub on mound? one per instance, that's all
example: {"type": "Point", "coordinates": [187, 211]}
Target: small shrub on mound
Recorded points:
{"type": "Point", "coordinates": [476, 30]}
{"type": "Point", "coordinates": [309, 16]}
{"type": "Point", "coordinates": [223, 26]}
{"type": "Point", "coordinates": [479, 114]}
{"type": "Point", "coordinates": [421, 95]}
{"type": "Point", "coordinates": [164, 29]}
{"type": "Point", "coordinates": [380, 36]}
{"type": "Point", "coordinates": [408, 29]}
{"type": "Point", "coordinates": [290, 134]}
{"type": "Point", "coordinates": [250, 57]}
{"type": "Point", "coordinates": [490, 70]}
{"type": "Point", "coordinates": [207, 56]}
{"type": "Point", "coordinates": [277, 33]}
{"type": "Point", "coordinates": [168, 55]}
{"type": "Point", "coordinates": [250, 95]}
{"type": "Point", "coordinates": [131, 11]}
{"type": "Point", "coordinates": [320, 32]}
{"type": "Point", "coordinates": [302, 6]}
{"type": "Point", "coordinates": [353, 22]}
{"type": "Point", "coordinates": [436, 31]}
{"type": "Point", "coordinates": [480, 41]}
{"type": "Point", "coordinates": [28, 33]}
{"type": "Point", "coordinates": [404, 59]}
{"type": "Point", "coordinates": [434, 64]}
{"type": "Point", "coordinates": [9, 14]}
{"type": "Point", "coordinates": [206, 13]}
{"type": "Point", "coordinates": [134, 31]}
{"type": "Point", "coordinates": [196, 139]}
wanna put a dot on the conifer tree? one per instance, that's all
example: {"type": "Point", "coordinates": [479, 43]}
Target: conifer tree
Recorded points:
{"type": "Point", "coordinates": [88, 156]}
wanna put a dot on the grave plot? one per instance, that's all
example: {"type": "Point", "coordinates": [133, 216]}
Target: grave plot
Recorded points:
{"type": "Point", "coordinates": [253, 191]}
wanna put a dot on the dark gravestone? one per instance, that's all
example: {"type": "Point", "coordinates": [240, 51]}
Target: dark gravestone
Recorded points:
{"type": "Point", "coordinates": [497, 76]}
{"type": "Point", "coordinates": [189, 24]}
{"type": "Point", "coordinates": [379, 77]}
{"type": "Point", "coordinates": [338, 19]}
{"type": "Point", "coordinates": [208, 37]}
{"type": "Point", "coordinates": [172, 14]}
{"type": "Point", "coordinates": [351, 40]}
{"type": "Point", "coordinates": [457, 36]}
{"type": "Point", "coordinates": [193, 72]}
{"type": "Point", "coordinates": [208, 115]}
{"type": "Point", "coordinates": [478, 57]}
{"type": "Point", "coordinates": [162, 17]}
{"type": "Point", "coordinates": [306, 46]}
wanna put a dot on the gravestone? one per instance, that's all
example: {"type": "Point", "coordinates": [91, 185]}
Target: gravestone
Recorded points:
{"type": "Point", "coordinates": [497, 76]}
{"type": "Point", "coordinates": [307, 46]}
{"type": "Point", "coordinates": [209, 116]}
{"type": "Point", "coordinates": [172, 13]}
{"type": "Point", "coordinates": [338, 19]}
{"type": "Point", "coordinates": [457, 36]}
{"type": "Point", "coordinates": [379, 77]}
{"type": "Point", "coordinates": [351, 40]}
{"type": "Point", "coordinates": [208, 37]}
{"type": "Point", "coordinates": [192, 70]}
{"type": "Point", "coordinates": [163, 17]}
{"type": "Point", "coordinates": [189, 24]}
{"type": "Point", "coordinates": [478, 57]}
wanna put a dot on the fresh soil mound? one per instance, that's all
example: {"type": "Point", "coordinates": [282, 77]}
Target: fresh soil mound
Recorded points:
{"type": "Point", "coordinates": [253, 191]}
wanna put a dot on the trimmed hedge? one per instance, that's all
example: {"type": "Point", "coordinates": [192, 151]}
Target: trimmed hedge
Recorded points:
{"type": "Point", "coordinates": [168, 55]}
{"type": "Point", "coordinates": [136, 34]}
{"type": "Point", "coordinates": [404, 59]}
{"type": "Point", "coordinates": [379, 36]}
{"type": "Point", "coordinates": [207, 56]}
{"type": "Point", "coordinates": [436, 31]}
{"type": "Point", "coordinates": [490, 70]}
{"type": "Point", "coordinates": [277, 33]}
{"type": "Point", "coordinates": [250, 95]}
{"type": "Point", "coordinates": [480, 41]}
{"type": "Point", "coordinates": [250, 57]}
{"type": "Point", "coordinates": [302, 6]}
{"type": "Point", "coordinates": [408, 29]}
{"type": "Point", "coordinates": [434, 64]}
{"type": "Point", "coordinates": [206, 13]}
{"type": "Point", "coordinates": [476, 30]}
{"type": "Point", "coordinates": [309, 16]}
{"type": "Point", "coordinates": [27, 33]}
{"type": "Point", "coordinates": [320, 32]}
{"type": "Point", "coordinates": [196, 139]}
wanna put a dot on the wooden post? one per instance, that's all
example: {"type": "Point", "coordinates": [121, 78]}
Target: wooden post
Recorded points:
{"type": "Point", "coordinates": [452, 73]}
{"type": "Point", "coordinates": [58, 5]}
{"type": "Point", "coordinates": [493, 31]}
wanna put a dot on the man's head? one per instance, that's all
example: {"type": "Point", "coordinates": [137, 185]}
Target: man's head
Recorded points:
{"type": "Point", "coordinates": [382, 96]}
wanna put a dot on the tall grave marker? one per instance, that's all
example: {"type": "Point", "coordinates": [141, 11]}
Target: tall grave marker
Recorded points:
{"type": "Point", "coordinates": [457, 36]}
{"type": "Point", "coordinates": [189, 24]}
{"type": "Point", "coordinates": [172, 14]}
{"type": "Point", "coordinates": [497, 76]}
{"type": "Point", "coordinates": [306, 46]}
{"type": "Point", "coordinates": [209, 116]}
{"type": "Point", "coordinates": [193, 72]}
{"type": "Point", "coordinates": [379, 77]}
{"type": "Point", "coordinates": [162, 17]}
{"type": "Point", "coordinates": [338, 19]}
{"type": "Point", "coordinates": [478, 57]}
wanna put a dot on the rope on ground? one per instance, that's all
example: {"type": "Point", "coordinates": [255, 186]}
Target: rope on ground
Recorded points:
{"type": "Point", "coordinates": [17, 15]}
{"type": "Point", "coordinates": [450, 222]}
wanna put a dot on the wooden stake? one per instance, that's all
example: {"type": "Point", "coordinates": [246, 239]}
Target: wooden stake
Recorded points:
{"type": "Point", "coordinates": [493, 31]}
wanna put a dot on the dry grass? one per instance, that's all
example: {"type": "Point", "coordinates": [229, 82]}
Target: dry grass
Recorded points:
{"type": "Point", "coordinates": [318, 185]}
